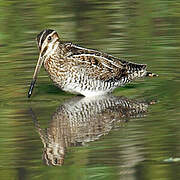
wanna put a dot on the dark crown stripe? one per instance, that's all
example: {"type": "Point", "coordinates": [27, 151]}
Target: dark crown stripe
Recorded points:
{"type": "Point", "coordinates": [39, 36]}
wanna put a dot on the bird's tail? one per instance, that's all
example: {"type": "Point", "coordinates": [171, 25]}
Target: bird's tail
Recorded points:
{"type": "Point", "coordinates": [150, 74]}
{"type": "Point", "coordinates": [139, 70]}
{"type": "Point", "coordinates": [136, 70]}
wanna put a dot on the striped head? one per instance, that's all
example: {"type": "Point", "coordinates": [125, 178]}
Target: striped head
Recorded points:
{"type": "Point", "coordinates": [47, 41]}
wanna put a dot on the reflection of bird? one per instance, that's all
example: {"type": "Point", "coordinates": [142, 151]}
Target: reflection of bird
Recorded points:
{"type": "Point", "coordinates": [83, 120]}
{"type": "Point", "coordinates": [79, 70]}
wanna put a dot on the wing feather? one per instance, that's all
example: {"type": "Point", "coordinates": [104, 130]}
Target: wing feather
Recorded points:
{"type": "Point", "coordinates": [99, 65]}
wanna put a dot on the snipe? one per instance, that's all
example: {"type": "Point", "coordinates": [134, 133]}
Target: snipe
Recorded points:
{"type": "Point", "coordinates": [80, 70]}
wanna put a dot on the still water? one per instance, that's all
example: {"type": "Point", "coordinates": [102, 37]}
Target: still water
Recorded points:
{"type": "Point", "coordinates": [132, 134]}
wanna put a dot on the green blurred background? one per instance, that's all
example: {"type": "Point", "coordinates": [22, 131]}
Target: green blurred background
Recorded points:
{"type": "Point", "coordinates": [137, 30]}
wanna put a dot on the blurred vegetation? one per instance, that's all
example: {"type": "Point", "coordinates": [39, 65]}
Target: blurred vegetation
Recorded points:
{"type": "Point", "coordinates": [141, 31]}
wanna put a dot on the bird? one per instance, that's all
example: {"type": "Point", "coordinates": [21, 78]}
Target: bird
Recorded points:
{"type": "Point", "coordinates": [81, 70]}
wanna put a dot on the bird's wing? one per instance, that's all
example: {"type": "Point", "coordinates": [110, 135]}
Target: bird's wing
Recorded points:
{"type": "Point", "coordinates": [98, 65]}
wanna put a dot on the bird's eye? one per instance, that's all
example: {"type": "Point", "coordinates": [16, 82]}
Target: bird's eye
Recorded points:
{"type": "Point", "coordinates": [49, 38]}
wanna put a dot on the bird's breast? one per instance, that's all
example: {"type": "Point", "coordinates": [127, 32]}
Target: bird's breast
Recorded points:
{"type": "Point", "coordinates": [56, 70]}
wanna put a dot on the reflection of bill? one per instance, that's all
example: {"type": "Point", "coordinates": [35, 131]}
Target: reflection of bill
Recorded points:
{"type": "Point", "coordinates": [83, 120]}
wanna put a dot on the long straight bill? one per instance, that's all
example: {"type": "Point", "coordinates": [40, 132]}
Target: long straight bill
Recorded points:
{"type": "Point", "coordinates": [37, 69]}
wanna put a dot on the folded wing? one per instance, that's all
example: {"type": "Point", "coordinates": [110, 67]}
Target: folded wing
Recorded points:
{"type": "Point", "coordinates": [102, 66]}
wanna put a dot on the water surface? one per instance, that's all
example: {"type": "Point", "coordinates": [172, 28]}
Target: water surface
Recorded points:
{"type": "Point", "coordinates": [113, 143]}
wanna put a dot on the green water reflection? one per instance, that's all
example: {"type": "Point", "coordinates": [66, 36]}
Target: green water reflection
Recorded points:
{"type": "Point", "coordinates": [142, 31]}
{"type": "Point", "coordinates": [83, 120]}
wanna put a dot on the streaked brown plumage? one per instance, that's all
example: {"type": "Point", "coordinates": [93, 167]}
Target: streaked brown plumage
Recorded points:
{"type": "Point", "coordinates": [83, 120]}
{"type": "Point", "coordinates": [80, 70]}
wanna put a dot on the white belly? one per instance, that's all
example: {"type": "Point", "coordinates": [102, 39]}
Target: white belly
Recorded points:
{"type": "Point", "coordinates": [76, 88]}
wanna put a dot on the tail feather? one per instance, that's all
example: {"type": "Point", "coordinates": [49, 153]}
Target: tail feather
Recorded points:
{"type": "Point", "coordinates": [150, 74]}
{"type": "Point", "coordinates": [140, 69]}
{"type": "Point", "coordinates": [137, 70]}
{"type": "Point", "coordinates": [132, 67]}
